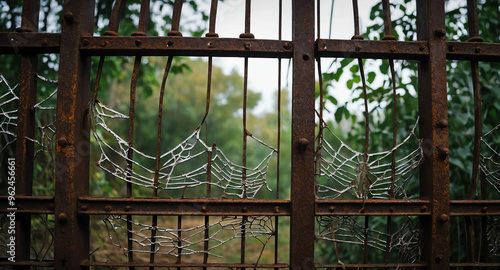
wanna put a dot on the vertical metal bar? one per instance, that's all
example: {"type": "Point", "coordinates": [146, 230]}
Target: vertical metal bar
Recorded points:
{"type": "Point", "coordinates": [276, 219]}
{"type": "Point", "coordinates": [303, 123]}
{"type": "Point", "coordinates": [243, 240]}
{"type": "Point", "coordinates": [473, 21]}
{"type": "Point", "coordinates": [245, 137]}
{"type": "Point", "coordinates": [356, 20]}
{"type": "Point", "coordinates": [142, 28]}
{"type": "Point", "coordinates": [114, 20]}
{"type": "Point", "coordinates": [474, 37]}
{"type": "Point", "coordinates": [179, 241]}
{"type": "Point", "coordinates": [71, 231]}
{"type": "Point", "coordinates": [26, 129]}
{"type": "Point", "coordinates": [245, 132]}
{"type": "Point", "coordinates": [213, 16]}
{"type": "Point", "coordinates": [388, 36]}
{"type": "Point", "coordinates": [387, 21]}
{"type": "Point", "coordinates": [433, 112]}
{"type": "Point", "coordinates": [176, 18]}
{"type": "Point", "coordinates": [209, 162]}
{"type": "Point", "coordinates": [248, 8]}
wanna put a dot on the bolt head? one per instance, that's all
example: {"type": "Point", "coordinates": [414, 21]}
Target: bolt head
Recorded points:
{"type": "Point", "coordinates": [303, 142]}
{"type": "Point", "coordinates": [63, 218]}
{"type": "Point", "coordinates": [63, 142]}
{"type": "Point", "coordinates": [69, 17]}
{"type": "Point", "coordinates": [444, 218]}
{"type": "Point", "coordinates": [441, 32]}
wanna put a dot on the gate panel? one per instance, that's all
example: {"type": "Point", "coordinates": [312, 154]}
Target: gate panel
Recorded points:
{"type": "Point", "coordinates": [317, 211]}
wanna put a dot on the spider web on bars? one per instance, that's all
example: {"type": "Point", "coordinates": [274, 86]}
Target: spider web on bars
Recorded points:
{"type": "Point", "coordinates": [180, 242]}
{"type": "Point", "coordinates": [345, 229]}
{"type": "Point", "coordinates": [493, 235]}
{"type": "Point", "coordinates": [8, 112]}
{"type": "Point", "coordinates": [45, 125]}
{"type": "Point", "coordinates": [344, 170]}
{"type": "Point", "coordinates": [490, 157]}
{"type": "Point", "coordinates": [42, 229]}
{"type": "Point", "coordinates": [225, 175]}
{"type": "Point", "coordinates": [45, 128]}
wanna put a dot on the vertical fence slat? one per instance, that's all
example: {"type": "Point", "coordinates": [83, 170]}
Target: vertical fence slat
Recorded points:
{"type": "Point", "coordinates": [71, 234]}
{"type": "Point", "coordinates": [302, 191]}
{"type": "Point", "coordinates": [434, 132]}
{"type": "Point", "coordinates": [26, 129]}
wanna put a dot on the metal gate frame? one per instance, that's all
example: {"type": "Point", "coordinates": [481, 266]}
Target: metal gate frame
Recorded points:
{"type": "Point", "coordinates": [72, 206]}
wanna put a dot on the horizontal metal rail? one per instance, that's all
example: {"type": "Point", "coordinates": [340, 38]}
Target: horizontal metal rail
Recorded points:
{"type": "Point", "coordinates": [383, 49]}
{"type": "Point", "coordinates": [36, 43]}
{"type": "Point", "coordinates": [193, 207]}
{"type": "Point", "coordinates": [371, 265]}
{"type": "Point", "coordinates": [217, 206]}
{"type": "Point", "coordinates": [372, 207]}
{"type": "Point", "coordinates": [197, 265]}
{"type": "Point", "coordinates": [185, 46]}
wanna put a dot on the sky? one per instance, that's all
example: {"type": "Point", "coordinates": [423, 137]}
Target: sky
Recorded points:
{"type": "Point", "coordinates": [263, 73]}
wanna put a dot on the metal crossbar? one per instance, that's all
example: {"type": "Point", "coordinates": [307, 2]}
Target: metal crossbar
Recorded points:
{"type": "Point", "coordinates": [342, 202]}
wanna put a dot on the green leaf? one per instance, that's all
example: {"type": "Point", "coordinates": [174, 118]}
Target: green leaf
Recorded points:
{"type": "Point", "coordinates": [354, 69]}
{"type": "Point", "coordinates": [349, 84]}
{"type": "Point", "coordinates": [371, 77]}
{"type": "Point", "coordinates": [338, 113]}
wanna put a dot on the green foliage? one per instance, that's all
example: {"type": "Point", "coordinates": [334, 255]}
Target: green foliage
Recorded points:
{"type": "Point", "coordinates": [460, 94]}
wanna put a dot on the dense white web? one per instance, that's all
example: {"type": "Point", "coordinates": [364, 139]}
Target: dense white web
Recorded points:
{"type": "Point", "coordinates": [490, 157]}
{"type": "Point", "coordinates": [45, 120]}
{"type": "Point", "coordinates": [44, 111]}
{"type": "Point", "coordinates": [189, 241]}
{"type": "Point", "coordinates": [230, 178]}
{"type": "Point", "coordinates": [8, 112]}
{"type": "Point", "coordinates": [344, 170]}
{"type": "Point", "coordinates": [346, 230]}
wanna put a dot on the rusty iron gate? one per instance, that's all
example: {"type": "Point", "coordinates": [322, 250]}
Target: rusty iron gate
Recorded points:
{"type": "Point", "coordinates": [72, 207]}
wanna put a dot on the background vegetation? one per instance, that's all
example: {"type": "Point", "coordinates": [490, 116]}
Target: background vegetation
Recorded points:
{"type": "Point", "coordinates": [185, 98]}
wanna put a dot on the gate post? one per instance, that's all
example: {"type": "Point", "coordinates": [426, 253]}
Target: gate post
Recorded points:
{"type": "Point", "coordinates": [26, 129]}
{"type": "Point", "coordinates": [71, 232]}
{"type": "Point", "coordinates": [433, 111]}
{"type": "Point", "coordinates": [302, 192]}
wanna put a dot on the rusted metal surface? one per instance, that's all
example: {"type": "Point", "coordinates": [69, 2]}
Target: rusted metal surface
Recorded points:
{"type": "Point", "coordinates": [25, 130]}
{"type": "Point", "coordinates": [382, 49]}
{"type": "Point", "coordinates": [72, 206]}
{"type": "Point", "coordinates": [198, 207]}
{"type": "Point", "coordinates": [186, 46]}
{"type": "Point", "coordinates": [374, 265]}
{"type": "Point", "coordinates": [71, 231]}
{"type": "Point", "coordinates": [372, 207]}
{"type": "Point", "coordinates": [473, 51]}
{"type": "Point", "coordinates": [29, 42]}
{"type": "Point", "coordinates": [30, 204]}
{"type": "Point", "coordinates": [303, 123]}
{"type": "Point", "coordinates": [186, 265]}
{"type": "Point", "coordinates": [434, 171]}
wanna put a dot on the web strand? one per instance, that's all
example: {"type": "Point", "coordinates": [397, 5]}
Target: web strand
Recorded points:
{"type": "Point", "coordinates": [189, 241]}
{"type": "Point", "coordinates": [345, 230]}
{"type": "Point", "coordinates": [343, 170]}
{"type": "Point", "coordinates": [490, 157]}
{"type": "Point", "coordinates": [225, 175]}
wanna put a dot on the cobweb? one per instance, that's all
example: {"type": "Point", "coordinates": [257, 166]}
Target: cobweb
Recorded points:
{"type": "Point", "coordinates": [493, 235]}
{"type": "Point", "coordinates": [45, 117]}
{"type": "Point", "coordinates": [346, 230]}
{"type": "Point", "coordinates": [45, 120]}
{"type": "Point", "coordinates": [490, 157]}
{"type": "Point", "coordinates": [230, 178]}
{"type": "Point", "coordinates": [8, 112]}
{"type": "Point", "coordinates": [344, 170]}
{"type": "Point", "coordinates": [180, 242]}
